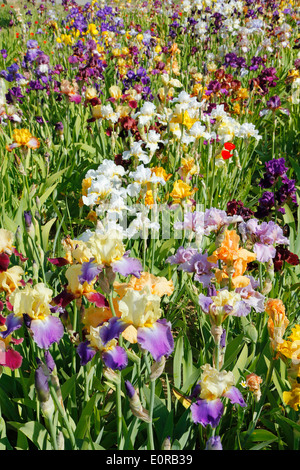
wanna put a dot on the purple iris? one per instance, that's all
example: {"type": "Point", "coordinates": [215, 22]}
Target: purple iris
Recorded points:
{"type": "Point", "coordinates": [210, 412]}
{"type": "Point", "coordinates": [274, 102]}
{"type": "Point", "coordinates": [114, 357]}
{"type": "Point", "coordinates": [199, 265]}
{"type": "Point", "coordinates": [157, 338]}
{"type": "Point", "coordinates": [125, 266]}
{"type": "Point", "coordinates": [45, 331]}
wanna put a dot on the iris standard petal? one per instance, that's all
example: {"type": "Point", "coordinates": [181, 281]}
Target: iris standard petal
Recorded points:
{"type": "Point", "coordinates": [89, 271]}
{"type": "Point", "coordinates": [112, 330]}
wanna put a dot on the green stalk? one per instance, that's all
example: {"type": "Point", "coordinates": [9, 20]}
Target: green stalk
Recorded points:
{"type": "Point", "coordinates": [52, 431]}
{"type": "Point", "coordinates": [150, 444]}
{"type": "Point", "coordinates": [63, 415]}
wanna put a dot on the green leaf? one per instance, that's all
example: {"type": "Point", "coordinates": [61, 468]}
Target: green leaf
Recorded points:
{"type": "Point", "coordinates": [87, 148]}
{"type": "Point", "coordinates": [232, 350]}
{"type": "Point", "coordinates": [43, 198]}
{"type": "Point", "coordinates": [45, 233]}
{"type": "Point", "coordinates": [240, 363]}
{"type": "Point", "coordinates": [84, 420]}
{"type": "Point", "coordinates": [35, 432]}
{"type": "Point", "coordinates": [177, 362]}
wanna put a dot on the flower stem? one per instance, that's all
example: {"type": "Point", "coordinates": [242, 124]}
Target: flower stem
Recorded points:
{"type": "Point", "coordinates": [52, 431]}
{"type": "Point", "coordinates": [63, 415]}
{"type": "Point", "coordinates": [119, 411]}
{"type": "Point", "coordinates": [150, 444]}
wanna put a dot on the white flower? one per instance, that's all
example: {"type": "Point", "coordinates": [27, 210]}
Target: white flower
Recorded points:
{"type": "Point", "coordinates": [137, 152]}
{"type": "Point", "coordinates": [140, 226]}
{"type": "Point", "coordinates": [248, 130]}
{"type": "Point", "coordinates": [146, 113]}
{"type": "Point", "coordinates": [153, 139]}
{"type": "Point", "coordinates": [108, 113]}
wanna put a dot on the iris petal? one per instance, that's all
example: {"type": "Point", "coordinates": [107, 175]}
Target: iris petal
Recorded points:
{"type": "Point", "coordinates": [157, 339]}
{"type": "Point", "coordinates": [206, 412]}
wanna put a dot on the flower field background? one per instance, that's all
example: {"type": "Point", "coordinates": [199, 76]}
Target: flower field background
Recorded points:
{"type": "Point", "coordinates": [149, 237]}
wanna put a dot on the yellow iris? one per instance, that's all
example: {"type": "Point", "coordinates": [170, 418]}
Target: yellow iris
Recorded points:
{"type": "Point", "coordinates": [21, 136]}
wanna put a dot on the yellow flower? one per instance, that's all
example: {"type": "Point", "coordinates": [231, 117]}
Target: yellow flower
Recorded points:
{"type": "Point", "coordinates": [188, 168]}
{"type": "Point", "coordinates": [32, 300]}
{"type": "Point", "coordinates": [160, 172]}
{"type": "Point", "coordinates": [23, 138]}
{"type": "Point", "coordinates": [277, 322]}
{"type": "Point", "coordinates": [181, 191]}
{"type": "Point", "coordinates": [291, 348]}
{"type": "Point", "coordinates": [90, 93]}
{"type": "Point", "coordinates": [6, 241]}
{"type": "Point", "coordinates": [184, 119]}
{"type": "Point", "coordinates": [215, 384]}
{"type": "Point", "coordinates": [95, 340]}
{"type": "Point", "coordinates": [85, 185]}
{"type": "Point", "coordinates": [235, 258]}
{"type": "Point", "coordinates": [149, 199]}
{"type": "Point", "coordinates": [92, 29]}
{"type": "Point", "coordinates": [74, 286]}
{"type": "Point", "coordinates": [158, 285]}
{"type": "Point", "coordinates": [106, 248]}
{"type": "Point", "coordinates": [140, 308]}
{"type": "Point", "coordinates": [11, 279]}
{"type": "Point", "coordinates": [92, 216]}
{"type": "Point", "coordinates": [292, 398]}
{"type": "Point", "coordinates": [97, 111]}
{"type": "Point", "coordinates": [242, 94]}
{"type": "Point", "coordinates": [94, 316]}
{"type": "Point", "coordinates": [115, 92]}
{"type": "Point", "coordinates": [196, 89]}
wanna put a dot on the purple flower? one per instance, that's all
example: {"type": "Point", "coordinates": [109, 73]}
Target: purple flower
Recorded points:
{"type": "Point", "coordinates": [128, 266]}
{"type": "Point", "coordinates": [89, 271]}
{"type": "Point", "coordinates": [206, 412]}
{"type": "Point", "coordinates": [274, 103]}
{"type": "Point", "coordinates": [4, 53]}
{"type": "Point", "coordinates": [199, 265]}
{"type": "Point", "coordinates": [214, 443]}
{"type": "Point", "coordinates": [113, 356]}
{"type": "Point", "coordinates": [276, 167]}
{"type": "Point", "coordinates": [157, 339]}
{"type": "Point", "coordinates": [182, 255]}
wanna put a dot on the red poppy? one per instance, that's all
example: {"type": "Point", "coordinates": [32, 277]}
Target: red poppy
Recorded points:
{"type": "Point", "coordinates": [229, 146]}
{"type": "Point", "coordinates": [226, 154]}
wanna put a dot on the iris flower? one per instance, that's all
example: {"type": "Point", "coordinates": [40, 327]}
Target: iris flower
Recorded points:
{"type": "Point", "coordinates": [141, 310]}
{"type": "Point", "coordinates": [214, 386]}
{"type": "Point", "coordinates": [31, 306]}
{"type": "Point", "coordinates": [23, 138]}
{"type": "Point", "coordinates": [113, 356]}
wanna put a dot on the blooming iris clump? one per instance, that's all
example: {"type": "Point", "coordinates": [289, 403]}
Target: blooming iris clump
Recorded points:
{"type": "Point", "coordinates": [152, 245]}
